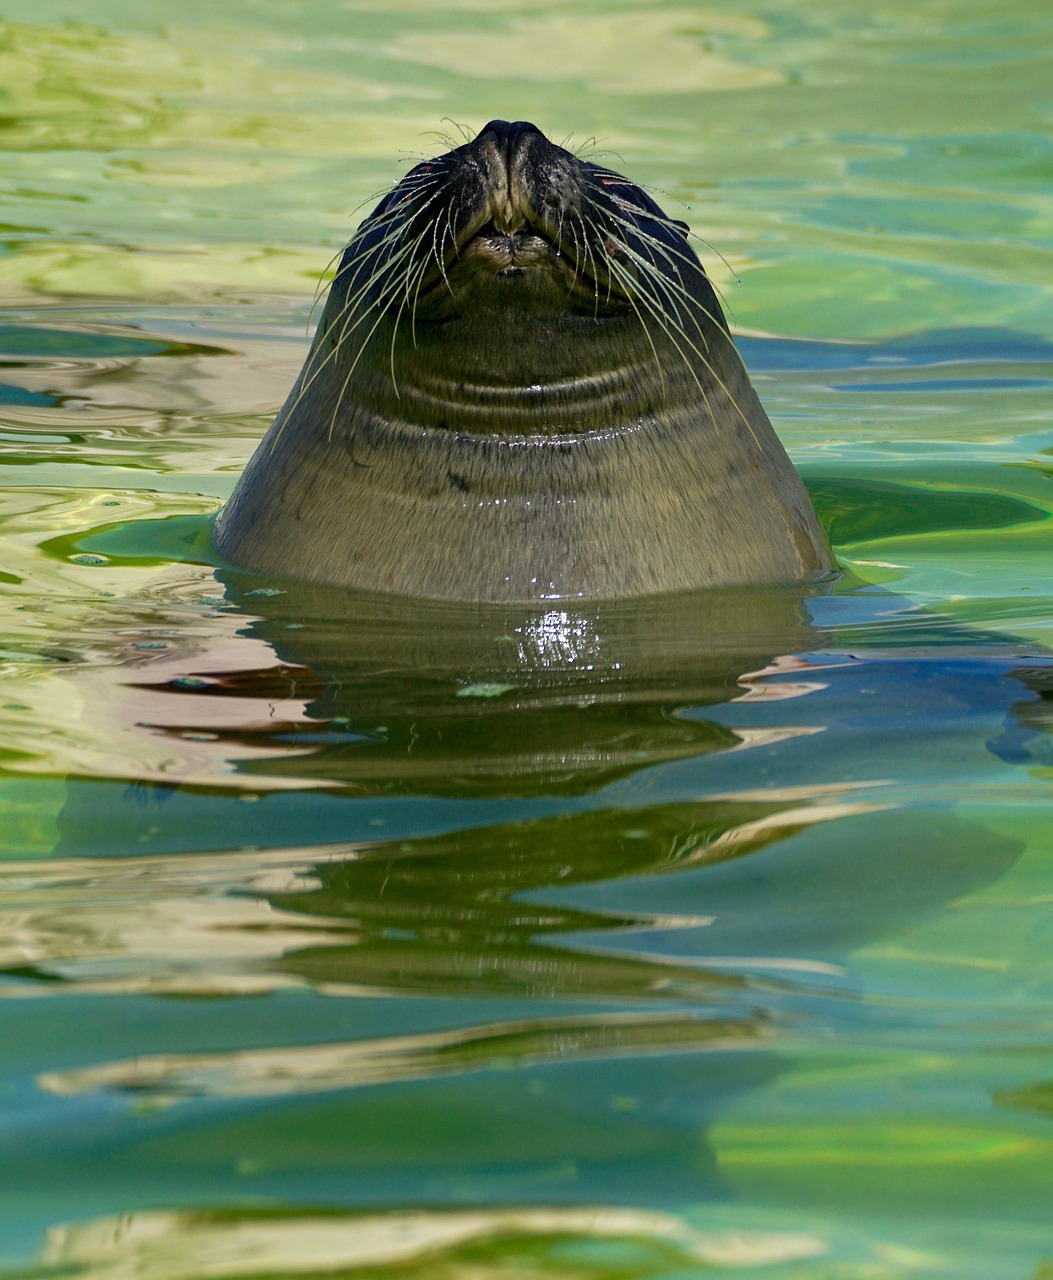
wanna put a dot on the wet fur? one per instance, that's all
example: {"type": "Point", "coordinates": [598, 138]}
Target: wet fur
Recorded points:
{"type": "Point", "coordinates": [522, 387]}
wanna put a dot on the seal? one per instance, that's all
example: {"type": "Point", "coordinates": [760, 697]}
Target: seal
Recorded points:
{"type": "Point", "coordinates": [522, 388]}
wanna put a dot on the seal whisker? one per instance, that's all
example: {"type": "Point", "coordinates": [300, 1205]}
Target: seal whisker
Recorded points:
{"type": "Point", "coordinates": [418, 177]}
{"type": "Point", "coordinates": [436, 251]}
{"type": "Point", "coordinates": [692, 263]}
{"type": "Point", "coordinates": [439, 256]}
{"type": "Point", "coordinates": [714, 250]}
{"type": "Point", "coordinates": [595, 269]}
{"type": "Point", "coordinates": [354, 364]}
{"type": "Point", "coordinates": [658, 313]}
{"type": "Point", "coordinates": [663, 219]}
{"type": "Point", "coordinates": [421, 276]}
{"type": "Point", "coordinates": [440, 190]}
{"type": "Point", "coordinates": [648, 268]}
{"type": "Point", "coordinates": [393, 235]}
{"type": "Point", "coordinates": [587, 256]}
{"type": "Point", "coordinates": [380, 194]}
{"type": "Point", "coordinates": [447, 139]}
{"type": "Point", "coordinates": [342, 270]}
{"type": "Point", "coordinates": [668, 322]}
{"type": "Point", "coordinates": [319, 288]}
{"type": "Point", "coordinates": [577, 256]}
{"type": "Point", "coordinates": [591, 146]}
{"type": "Point", "coordinates": [387, 294]}
{"type": "Point", "coordinates": [389, 291]}
{"type": "Point", "coordinates": [659, 367]}
{"type": "Point", "coordinates": [399, 253]}
{"type": "Point", "coordinates": [674, 293]}
{"type": "Point", "coordinates": [462, 129]}
{"type": "Point", "coordinates": [410, 280]}
{"type": "Point", "coordinates": [660, 216]}
{"type": "Point", "coordinates": [649, 263]}
{"type": "Point", "coordinates": [712, 372]}
{"type": "Point", "coordinates": [315, 367]}
{"type": "Point", "coordinates": [720, 382]}
{"type": "Point", "coordinates": [666, 284]}
{"type": "Point", "coordinates": [673, 255]}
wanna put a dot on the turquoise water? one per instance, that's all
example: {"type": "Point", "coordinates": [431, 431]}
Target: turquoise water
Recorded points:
{"type": "Point", "coordinates": [701, 936]}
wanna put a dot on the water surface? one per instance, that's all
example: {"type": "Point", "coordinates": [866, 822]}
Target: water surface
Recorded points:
{"type": "Point", "coordinates": [701, 936]}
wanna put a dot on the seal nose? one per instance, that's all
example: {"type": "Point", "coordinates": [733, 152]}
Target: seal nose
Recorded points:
{"type": "Point", "coordinates": [509, 152]}
{"type": "Point", "coordinates": [508, 136]}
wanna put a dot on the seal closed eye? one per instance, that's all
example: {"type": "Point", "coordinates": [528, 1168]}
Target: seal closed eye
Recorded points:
{"type": "Point", "coordinates": [522, 387]}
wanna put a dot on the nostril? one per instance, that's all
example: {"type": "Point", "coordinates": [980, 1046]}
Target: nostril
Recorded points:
{"type": "Point", "coordinates": [509, 135]}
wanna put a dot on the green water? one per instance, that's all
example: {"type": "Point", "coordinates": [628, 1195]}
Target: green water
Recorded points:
{"type": "Point", "coordinates": [423, 943]}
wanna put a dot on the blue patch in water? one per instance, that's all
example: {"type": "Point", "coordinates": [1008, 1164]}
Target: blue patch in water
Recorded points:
{"type": "Point", "coordinates": [19, 395]}
{"type": "Point", "coordinates": [36, 342]}
{"type": "Point", "coordinates": [916, 350]}
{"type": "Point", "coordinates": [947, 384]}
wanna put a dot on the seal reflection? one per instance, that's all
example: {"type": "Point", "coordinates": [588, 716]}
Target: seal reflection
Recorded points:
{"type": "Point", "coordinates": [635, 872]}
{"type": "Point", "coordinates": [542, 729]}
{"type": "Point", "coordinates": [483, 702]}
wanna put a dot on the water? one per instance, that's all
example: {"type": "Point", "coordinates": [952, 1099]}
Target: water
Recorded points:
{"type": "Point", "coordinates": [429, 942]}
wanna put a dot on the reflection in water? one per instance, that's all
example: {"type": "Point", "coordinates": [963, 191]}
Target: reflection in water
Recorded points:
{"type": "Point", "coordinates": [585, 1243]}
{"type": "Point", "coordinates": [177, 925]}
{"type": "Point", "coordinates": [653, 838]}
{"type": "Point", "coordinates": [599, 722]}
{"type": "Point", "coordinates": [365, 697]}
{"type": "Point", "coordinates": [476, 912]}
{"type": "Point", "coordinates": [1027, 735]}
{"type": "Point", "coordinates": [495, 701]}
{"type": "Point", "coordinates": [389, 1060]}
{"type": "Point", "coordinates": [595, 723]}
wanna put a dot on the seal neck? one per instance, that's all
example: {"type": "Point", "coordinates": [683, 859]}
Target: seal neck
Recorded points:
{"type": "Point", "coordinates": [586, 404]}
{"type": "Point", "coordinates": [574, 375]}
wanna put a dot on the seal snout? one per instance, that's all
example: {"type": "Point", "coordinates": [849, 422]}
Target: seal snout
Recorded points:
{"type": "Point", "coordinates": [506, 139]}
{"type": "Point", "coordinates": [508, 148]}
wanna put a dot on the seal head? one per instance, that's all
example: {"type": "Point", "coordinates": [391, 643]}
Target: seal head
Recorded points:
{"type": "Point", "coordinates": [522, 387]}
